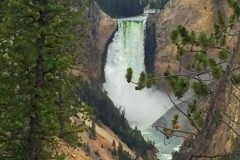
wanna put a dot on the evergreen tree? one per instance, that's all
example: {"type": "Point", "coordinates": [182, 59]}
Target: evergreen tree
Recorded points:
{"type": "Point", "coordinates": [114, 152]}
{"type": "Point", "coordinates": [36, 55]}
{"type": "Point", "coordinates": [92, 133]}
{"type": "Point", "coordinates": [122, 155]}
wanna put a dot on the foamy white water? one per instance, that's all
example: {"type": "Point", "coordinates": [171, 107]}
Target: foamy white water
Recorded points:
{"type": "Point", "coordinates": [144, 107]}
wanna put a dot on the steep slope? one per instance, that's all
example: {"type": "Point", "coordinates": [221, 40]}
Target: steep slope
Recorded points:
{"type": "Point", "coordinates": [100, 27]}
{"type": "Point", "coordinates": [219, 138]}
{"type": "Point", "coordinates": [103, 143]}
{"type": "Point", "coordinates": [96, 148]}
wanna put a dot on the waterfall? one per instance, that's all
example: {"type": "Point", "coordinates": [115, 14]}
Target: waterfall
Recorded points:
{"type": "Point", "coordinates": [143, 107]}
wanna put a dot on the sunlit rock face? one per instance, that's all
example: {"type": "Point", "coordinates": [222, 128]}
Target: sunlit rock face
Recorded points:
{"type": "Point", "coordinates": [195, 15]}
{"type": "Point", "coordinates": [100, 28]}
{"type": "Point", "coordinates": [199, 16]}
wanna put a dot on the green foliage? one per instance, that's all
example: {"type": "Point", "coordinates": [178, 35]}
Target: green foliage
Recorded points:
{"type": "Point", "coordinates": [198, 117]}
{"type": "Point", "coordinates": [142, 81]}
{"type": "Point", "coordinates": [123, 155]}
{"type": "Point", "coordinates": [203, 40]}
{"type": "Point", "coordinates": [129, 74]}
{"type": "Point", "coordinates": [114, 151]}
{"type": "Point", "coordinates": [61, 157]}
{"type": "Point", "coordinates": [69, 131]}
{"type": "Point", "coordinates": [114, 118]}
{"type": "Point", "coordinates": [221, 19]}
{"type": "Point", "coordinates": [169, 132]}
{"type": "Point", "coordinates": [180, 85]}
{"type": "Point", "coordinates": [196, 114]}
{"type": "Point", "coordinates": [200, 88]}
{"type": "Point", "coordinates": [198, 46]}
{"type": "Point", "coordinates": [151, 80]}
{"type": "Point", "coordinates": [236, 12]}
{"type": "Point", "coordinates": [37, 91]}
{"type": "Point", "coordinates": [92, 131]}
{"type": "Point", "coordinates": [217, 72]}
{"type": "Point", "coordinates": [223, 55]}
{"type": "Point", "coordinates": [120, 147]}
{"type": "Point", "coordinates": [114, 144]}
{"type": "Point", "coordinates": [174, 36]}
{"type": "Point", "coordinates": [235, 79]}
{"type": "Point", "coordinates": [175, 121]}
{"type": "Point", "coordinates": [145, 80]}
{"type": "Point", "coordinates": [87, 148]}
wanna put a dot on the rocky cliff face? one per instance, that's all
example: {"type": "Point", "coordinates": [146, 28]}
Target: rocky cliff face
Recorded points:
{"type": "Point", "coordinates": [99, 30]}
{"type": "Point", "coordinates": [150, 42]}
{"type": "Point", "coordinates": [93, 149]}
{"type": "Point", "coordinates": [219, 138]}
{"type": "Point", "coordinates": [196, 15]}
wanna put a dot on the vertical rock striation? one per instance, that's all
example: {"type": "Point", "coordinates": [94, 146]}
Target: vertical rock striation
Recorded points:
{"type": "Point", "coordinates": [219, 138]}
{"type": "Point", "coordinates": [195, 15]}
{"type": "Point", "coordinates": [150, 43]}
{"type": "Point", "coordinates": [100, 29]}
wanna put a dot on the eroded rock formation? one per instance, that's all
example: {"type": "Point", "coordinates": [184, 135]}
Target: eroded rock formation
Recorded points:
{"type": "Point", "coordinates": [195, 15]}
{"type": "Point", "coordinates": [219, 138]}
{"type": "Point", "coordinates": [100, 28]}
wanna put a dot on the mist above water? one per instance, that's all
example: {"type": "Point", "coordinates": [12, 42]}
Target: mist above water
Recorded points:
{"type": "Point", "coordinates": [143, 107]}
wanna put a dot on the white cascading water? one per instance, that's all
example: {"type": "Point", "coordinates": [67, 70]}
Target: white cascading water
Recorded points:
{"type": "Point", "coordinates": [142, 108]}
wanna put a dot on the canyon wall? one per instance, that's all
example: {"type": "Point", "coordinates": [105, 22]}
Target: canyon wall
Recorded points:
{"type": "Point", "coordinates": [195, 15]}
{"type": "Point", "coordinates": [219, 138]}
{"type": "Point", "coordinates": [150, 42]}
{"type": "Point", "coordinates": [100, 28]}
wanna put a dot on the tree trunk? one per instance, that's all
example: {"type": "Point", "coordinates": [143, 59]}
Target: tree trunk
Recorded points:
{"type": "Point", "coordinates": [35, 135]}
{"type": "Point", "coordinates": [201, 145]}
{"type": "Point", "coordinates": [61, 115]}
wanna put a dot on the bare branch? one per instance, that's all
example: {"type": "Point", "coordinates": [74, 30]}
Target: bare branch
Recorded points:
{"type": "Point", "coordinates": [230, 127]}
{"type": "Point", "coordinates": [190, 120]}
{"type": "Point", "coordinates": [174, 130]}
{"type": "Point", "coordinates": [171, 135]}
{"type": "Point", "coordinates": [232, 120]}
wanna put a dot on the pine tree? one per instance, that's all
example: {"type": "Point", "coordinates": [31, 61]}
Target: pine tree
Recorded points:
{"type": "Point", "coordinates": [37, 53]}
{"type": "Point", "coordinates": [93, 131]}
{"type": "Point", "coordinates": [114, 152]}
